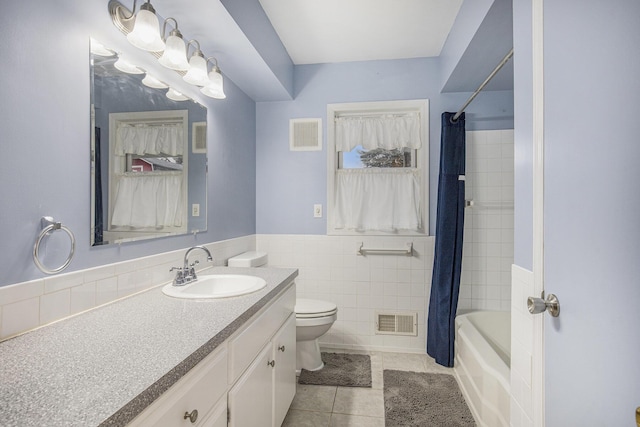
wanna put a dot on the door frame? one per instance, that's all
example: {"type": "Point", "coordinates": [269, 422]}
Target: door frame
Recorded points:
{"type": "Point", "coordinates": [537, 362]}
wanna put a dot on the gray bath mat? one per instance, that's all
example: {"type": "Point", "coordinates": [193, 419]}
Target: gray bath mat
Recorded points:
{"type": "Point", "coordinates": [424, 399]}
{"type": "Point", "coordinates": [343, 369]}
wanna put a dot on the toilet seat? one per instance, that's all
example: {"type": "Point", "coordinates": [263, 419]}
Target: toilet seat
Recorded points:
{"type": "Point", "coordinates": [311, 309]}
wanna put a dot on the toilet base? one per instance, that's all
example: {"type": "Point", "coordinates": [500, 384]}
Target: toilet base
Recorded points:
{"type": "Point", "coordinates": [308, 356]}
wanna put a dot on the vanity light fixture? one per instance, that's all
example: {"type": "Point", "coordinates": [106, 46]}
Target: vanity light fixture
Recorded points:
{"type": "Point", "coordinates": [152, 82]}
{"type": "Point", "coordinates": [126, 66]}
{"type": "Point", "coordinates": [175, 52]}
{"type": "Point", "coordinates": [98, 48]}
{"type": "Point", "coordinates": [141, 30]}
{"type": "Point", "coordinates": [146, 33]}
{"type": "Point", "coordinates": [175, 95]}
{"type": "Point", "coordinates": [197, 74]}
{"type": "Point", "coordinates": [214, 89]}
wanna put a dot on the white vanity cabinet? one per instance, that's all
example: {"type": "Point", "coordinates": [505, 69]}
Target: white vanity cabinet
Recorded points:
{"type": "Point", "coordinates": [200, 390]}
{"type": "Point", "coordinates": [247, 381]}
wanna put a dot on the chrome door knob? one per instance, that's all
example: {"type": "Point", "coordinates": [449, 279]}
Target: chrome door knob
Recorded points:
{"type": "Point", "coordinates": [538, 305]}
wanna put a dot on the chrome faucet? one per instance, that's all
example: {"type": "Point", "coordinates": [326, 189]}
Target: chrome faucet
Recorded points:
{"type": "Point", "coordinates": [187, 273]}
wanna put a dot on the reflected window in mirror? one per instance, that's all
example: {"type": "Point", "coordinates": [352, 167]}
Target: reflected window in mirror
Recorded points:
{"type": "Point", "coordinates": [145, 170]}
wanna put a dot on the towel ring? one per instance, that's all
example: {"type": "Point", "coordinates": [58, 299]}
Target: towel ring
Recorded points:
{"type": "Point", "coordinates": [49, 226]}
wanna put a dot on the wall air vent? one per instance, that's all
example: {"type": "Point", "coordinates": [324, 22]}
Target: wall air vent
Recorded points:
{"type": "Point", "coordinates": [305, 134]}
{"type": "Point", "coordinates": [199, 137]}
{"type": "Point", "coordinates": [397, 323]}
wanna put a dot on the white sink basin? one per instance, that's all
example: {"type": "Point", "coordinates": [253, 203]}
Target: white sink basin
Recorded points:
{"type": "Point", "coordinates": [216, 286]}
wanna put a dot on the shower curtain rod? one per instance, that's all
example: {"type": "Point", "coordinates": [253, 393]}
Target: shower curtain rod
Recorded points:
{"type": "Point", "coordinates": [487, 80]}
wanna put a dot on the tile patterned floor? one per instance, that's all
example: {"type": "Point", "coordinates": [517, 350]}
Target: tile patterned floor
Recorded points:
{"type": "Point", "coordinates": [330, 406]}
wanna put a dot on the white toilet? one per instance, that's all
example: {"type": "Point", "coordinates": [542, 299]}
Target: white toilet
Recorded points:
{"type": "Point", "coordinates": [313, 317]}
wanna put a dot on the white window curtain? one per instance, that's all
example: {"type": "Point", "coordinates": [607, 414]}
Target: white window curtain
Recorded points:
{"type": "Point", "coordinates": [384, 131]}
{"type": "Point", "coordinates": [145, 139]}
{"type": "Point", "coordinates": [378, 199]}
{"type": "Point", "coordinates": [149, 200]}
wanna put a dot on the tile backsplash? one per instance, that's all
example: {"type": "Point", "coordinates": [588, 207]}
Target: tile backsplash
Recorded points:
{"type": "Point", "coordinates": [28, 305]}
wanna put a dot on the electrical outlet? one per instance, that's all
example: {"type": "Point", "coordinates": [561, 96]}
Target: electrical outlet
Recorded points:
{"type": "Point", "coordinates": [317, 211]}
{"type": "Point", "coordinates": [195, 209]}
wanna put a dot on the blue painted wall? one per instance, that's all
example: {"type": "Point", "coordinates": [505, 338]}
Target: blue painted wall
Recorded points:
{"type": "Point", "coordinates": [44, 105]}
{"type": "Point", "coordinates": [289, 183]}
{"type": "Point", "coordinates": [523, 134]}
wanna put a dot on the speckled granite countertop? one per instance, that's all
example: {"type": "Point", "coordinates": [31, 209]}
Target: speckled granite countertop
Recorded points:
{"type": "Point", "coordinates": [105, 366]}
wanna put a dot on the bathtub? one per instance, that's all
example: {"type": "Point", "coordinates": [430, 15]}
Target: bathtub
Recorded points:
{"type": "Point", "coordinates": [482, 364]}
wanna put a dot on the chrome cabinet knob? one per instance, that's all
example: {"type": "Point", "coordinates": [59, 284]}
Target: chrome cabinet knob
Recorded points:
{"type": "Point", "coordinates": [191, 416]}
{"type": "Point", "coordinates": [539, 305]}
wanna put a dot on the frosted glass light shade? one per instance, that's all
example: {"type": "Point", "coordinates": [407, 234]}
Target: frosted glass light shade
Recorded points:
{"type": "Point", "coordinates": [197, 74]}
{"type": "Point", "coordinates": [152, 82]}
{"type": "Point", "coordinates": [127, 67]}
{"type": "Point", "coordinates": [98, 48]}
{"type": "Point", "coordinates": [175, 95]}
{"type": "Point", "coordinates": [145, 34]}
{"type": "Point", "coordinates": [215, 87]}
{"type": "Point", "coordinates": [175, 55]}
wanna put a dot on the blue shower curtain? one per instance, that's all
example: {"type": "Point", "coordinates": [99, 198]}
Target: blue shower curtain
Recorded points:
{"type": "Point", "coordinates": [447, 262]}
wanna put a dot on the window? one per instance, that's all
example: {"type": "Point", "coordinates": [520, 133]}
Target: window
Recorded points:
{"type": "Point", "coordinates": [378, 168]}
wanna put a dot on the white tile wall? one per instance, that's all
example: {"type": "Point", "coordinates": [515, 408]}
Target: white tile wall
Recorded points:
{"type": "Point", "coordinates": [488, 233]}
{"type": "Point", "coordinates": [28, 305]}
{"type": "Point", "coordinates": [331, 270]}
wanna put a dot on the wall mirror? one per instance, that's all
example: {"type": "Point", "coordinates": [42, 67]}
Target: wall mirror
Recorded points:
{"type": "Point", "coordinates": [148, 156]}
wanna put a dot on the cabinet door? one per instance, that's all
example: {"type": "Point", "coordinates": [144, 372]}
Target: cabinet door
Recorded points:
{"type": "Point", "coordinates": [250, 399]}
{"type": "Point", "coordinates": [217, 417]}
{"type": "Point", "coordinates": [284, 372]}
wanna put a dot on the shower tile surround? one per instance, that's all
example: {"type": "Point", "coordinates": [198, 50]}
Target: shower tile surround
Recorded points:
{"type": "Point", "coordinates": [361, 285]}
{"type": "Point", "coordinates": [487, 253]}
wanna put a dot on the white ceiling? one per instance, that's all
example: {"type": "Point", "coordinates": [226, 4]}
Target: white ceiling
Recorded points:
{"type": "Point", "coordinates": [331, 31]}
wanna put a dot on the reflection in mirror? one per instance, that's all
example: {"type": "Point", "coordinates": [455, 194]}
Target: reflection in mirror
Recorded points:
{"type": "Point", "coordinates": [148, 155]}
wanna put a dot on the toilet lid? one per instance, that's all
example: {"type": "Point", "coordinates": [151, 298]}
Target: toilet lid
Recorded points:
{"type": "Point", "coordinates": [314, 308]}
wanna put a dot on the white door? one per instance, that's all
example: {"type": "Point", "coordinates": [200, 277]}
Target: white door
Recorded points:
{"type": "Point", "coordinates": [592, 211]}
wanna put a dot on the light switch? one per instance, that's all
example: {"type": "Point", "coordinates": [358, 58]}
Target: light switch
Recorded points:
{"type": "Point", "coordinates": [195, 209]}
{"type": "Point", "coordinates": [317, 211]}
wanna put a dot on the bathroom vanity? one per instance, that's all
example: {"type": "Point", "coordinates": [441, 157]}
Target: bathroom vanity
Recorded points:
{"type": "Point", "coordinates": [151, 359]}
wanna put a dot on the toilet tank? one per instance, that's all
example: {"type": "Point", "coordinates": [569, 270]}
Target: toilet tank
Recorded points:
{"type": "Point", "coordinates": [249, 259]}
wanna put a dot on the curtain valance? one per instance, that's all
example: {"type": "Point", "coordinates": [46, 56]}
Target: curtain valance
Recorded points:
{"type": "Point", "coordinates": [383, 131]}
{"type": "Point", "coordinates": [143, 139]}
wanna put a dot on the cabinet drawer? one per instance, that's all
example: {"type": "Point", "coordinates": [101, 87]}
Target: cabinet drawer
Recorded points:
{"type": "Point", "coordinates": [244, 347]}
{"type": "Point", "coordinates": [199, 389]}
